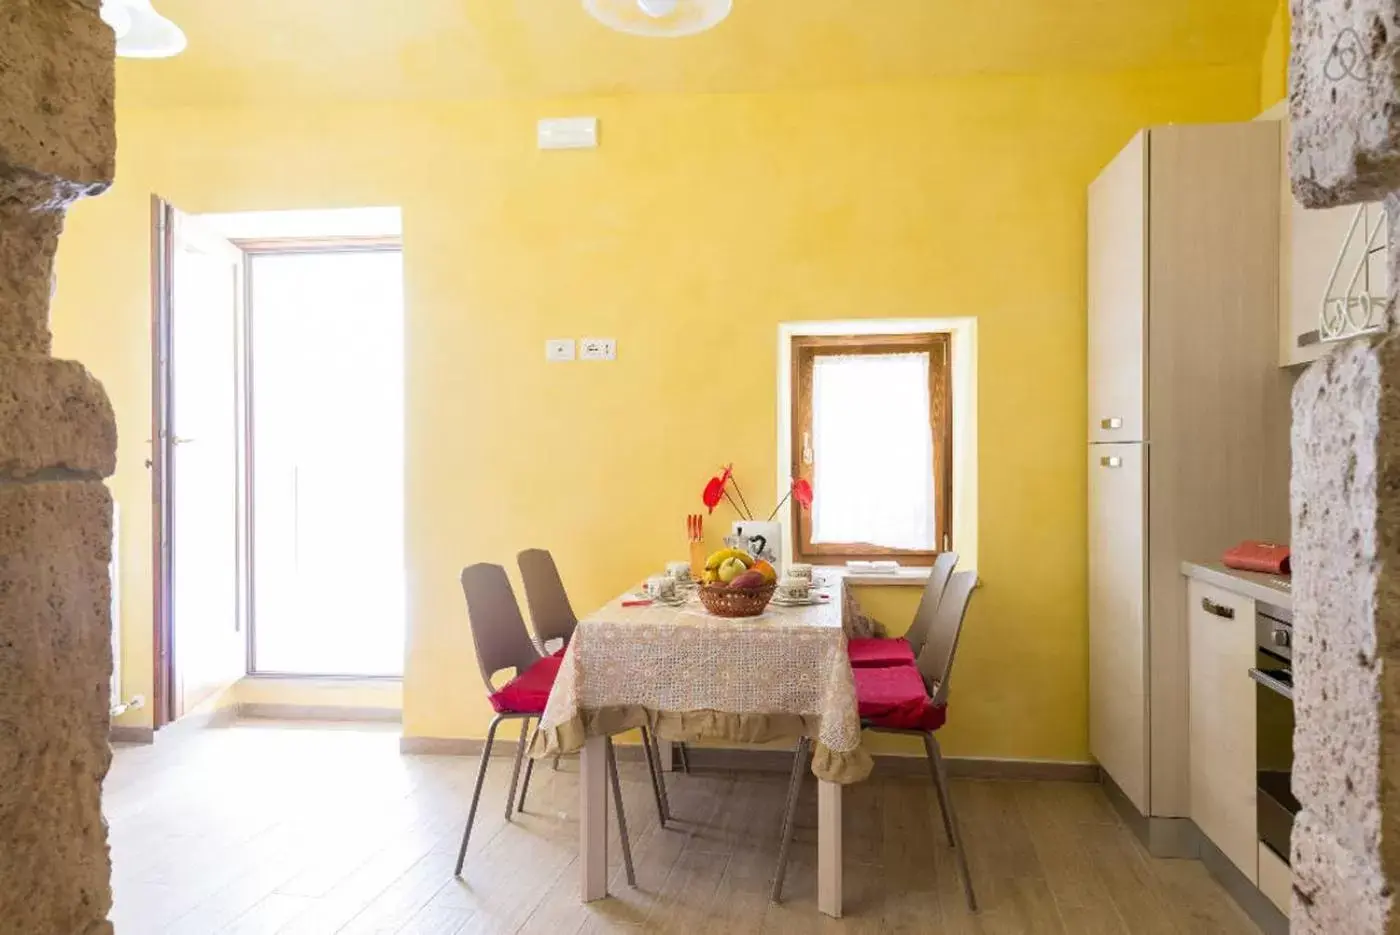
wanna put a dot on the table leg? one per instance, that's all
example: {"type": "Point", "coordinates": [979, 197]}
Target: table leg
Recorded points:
{"type": "Point", "coordinates": [829, 848]}
{"type": "Point", "coordinates": [593, 820]}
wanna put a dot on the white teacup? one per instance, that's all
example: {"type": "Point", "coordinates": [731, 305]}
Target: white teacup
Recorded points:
{"type": "Point", "coordinates": [678, 572]}
{"type": "Point", "coordinates": [800, 570]}
{"type": "Point", "coordinates": [660, 587]}
{"type": "Point", "coordinates": [793, 588]}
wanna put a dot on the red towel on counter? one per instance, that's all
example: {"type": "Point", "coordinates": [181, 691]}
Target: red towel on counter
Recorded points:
{"type": "Point", "coordinates": [1267, 557]}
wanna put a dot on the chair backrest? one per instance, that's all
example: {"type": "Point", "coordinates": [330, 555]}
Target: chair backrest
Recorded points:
{"type": "Point", "coordinates": [550, 611]}
{"type": "Point", "coordinates": [498, 630]}
{"type": "Point", "coordinates": [928, 604]}
{"type": "Point", "coordinates": [936, 661]}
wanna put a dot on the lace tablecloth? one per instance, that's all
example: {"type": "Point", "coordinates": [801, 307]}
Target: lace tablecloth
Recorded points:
{"type": "Point", "coordinates": [691, 676]}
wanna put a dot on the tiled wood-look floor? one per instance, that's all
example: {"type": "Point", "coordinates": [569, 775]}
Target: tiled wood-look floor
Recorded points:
{"type": "Point", "coordinates": [264, 828]}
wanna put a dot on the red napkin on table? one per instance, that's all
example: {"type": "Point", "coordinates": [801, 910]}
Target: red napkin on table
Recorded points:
{"type": "Point", "coordinates": [1267, 557]}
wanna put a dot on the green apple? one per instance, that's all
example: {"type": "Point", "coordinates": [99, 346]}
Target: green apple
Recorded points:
{"type": "Point", "coordinates": [731, 568]}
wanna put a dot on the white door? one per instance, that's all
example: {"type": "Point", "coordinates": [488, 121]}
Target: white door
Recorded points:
{"type": "Point", "coordinates": [1118, 616]}
{"type": "Point", "coordinates": [206, 489]}
{"type": "Point", "coordinates": [1117, 292]}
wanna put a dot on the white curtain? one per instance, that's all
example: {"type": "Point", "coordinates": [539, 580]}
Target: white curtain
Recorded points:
{"type": "Point", "coordinates": [872, 479]}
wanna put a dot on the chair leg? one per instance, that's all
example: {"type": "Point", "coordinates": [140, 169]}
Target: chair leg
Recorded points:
{"type": "Point", "coordinates": [943, 808]}
{"type": "Point", "coordinates": [685, 757]}
{"type": "Point", "coordinates": [799, 765]}
{"type": "Point", "coordinates": [665, 801]}
{"type": "Point", "coordinates": [940, 778]}
{"type": "Point", "coordinates": [476, 793]}
{"type": "Point", "coordinates": [655, 776]}
{"type": "Point", "coordinates": [529, 771]}
{"type": "Point", "coordinates": [515, 773]}
{"type": "Point", "coordinates": [621, 817]}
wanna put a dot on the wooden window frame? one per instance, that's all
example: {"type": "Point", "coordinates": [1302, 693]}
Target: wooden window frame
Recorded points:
{"type": "Point", "coordinates": [938, 345]}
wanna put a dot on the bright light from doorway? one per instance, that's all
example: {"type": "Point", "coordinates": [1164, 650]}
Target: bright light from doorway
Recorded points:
{"type": "Point", "coordinates": [328, 462]}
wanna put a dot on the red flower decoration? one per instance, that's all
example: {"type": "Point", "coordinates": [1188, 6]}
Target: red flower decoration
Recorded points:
{"type": "Point", "coordinates": [802, 492]}
{"type": "Point", "coordinates": [714, 493]}
{"type": "Point", "coordinates": [715, 489]}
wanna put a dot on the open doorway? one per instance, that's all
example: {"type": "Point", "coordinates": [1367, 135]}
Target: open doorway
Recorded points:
{"type": "Point", "coordinates": [278, 462]}
{"type": "Point", "coordinates": [326, 368]}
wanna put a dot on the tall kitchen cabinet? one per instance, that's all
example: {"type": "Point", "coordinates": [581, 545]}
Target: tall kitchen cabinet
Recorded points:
{"type": "Point", "coordinates": [1188, 425]}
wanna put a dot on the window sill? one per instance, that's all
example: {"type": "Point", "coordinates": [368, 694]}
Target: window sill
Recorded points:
{"type": "Point", "coordinates": [907, 577]}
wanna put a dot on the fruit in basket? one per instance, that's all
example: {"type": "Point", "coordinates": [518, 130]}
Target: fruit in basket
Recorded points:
{"type": "Point", "coordinates": [748, 581]}
{"type": "Point", "coordinates": [717, 559]}
{"type": "Point", "coordinates": [770, 576]}
{"type": "Point", "coordinates": [730, 569]}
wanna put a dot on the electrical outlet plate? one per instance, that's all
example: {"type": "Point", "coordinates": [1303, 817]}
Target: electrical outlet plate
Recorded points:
{"type": "Point", "coordinates": [559, 349]}
{"type": "Point", "coordinates": [597, 349]}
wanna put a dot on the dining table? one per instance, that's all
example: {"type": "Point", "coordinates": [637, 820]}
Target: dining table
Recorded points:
{"type": "Point", "coordinates": [691, 676]}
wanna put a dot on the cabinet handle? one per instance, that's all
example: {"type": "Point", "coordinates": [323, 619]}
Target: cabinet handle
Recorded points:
{"type": "Point", "coordinates": [1112, 461]}
{"type": "Point", "coordinates": [1219, 610]}
{"type": "Point", "coordinates": [1111, 423]}
{"type": "Point", "coordinates": [1271, 683]}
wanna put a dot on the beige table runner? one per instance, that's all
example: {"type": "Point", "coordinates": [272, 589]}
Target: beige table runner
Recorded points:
{"type": "Point", "coordinates": [691, 676]}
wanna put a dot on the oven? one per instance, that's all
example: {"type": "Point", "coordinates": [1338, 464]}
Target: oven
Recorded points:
{"type": "Point", "coordinates": [1274, 719]}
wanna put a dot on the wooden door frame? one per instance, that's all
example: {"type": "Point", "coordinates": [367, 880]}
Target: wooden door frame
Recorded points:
{"type": "Point", "coordinates": [161, 463]}
{"type": "Point", "coordinates": [254, 247]}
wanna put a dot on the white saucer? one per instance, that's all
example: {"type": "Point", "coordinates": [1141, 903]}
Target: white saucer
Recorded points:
{"type": "Point", "coordinates": [808, 602]}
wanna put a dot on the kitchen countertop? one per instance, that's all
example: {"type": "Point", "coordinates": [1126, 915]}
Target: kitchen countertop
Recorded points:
{"type": "Point", "coordinates": [1271, 589]}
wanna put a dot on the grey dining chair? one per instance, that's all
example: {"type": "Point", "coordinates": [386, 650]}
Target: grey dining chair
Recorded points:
{"type": "Point", "coordinates": [502, 642]}
{"type": "Point", "coordinates": [871, 651]}
{"type": "Point", "coordinates": [935, 669]}
{"type": "Point", "coordinates": [932, 596]}
{"type": "Point", "coordinates": [553, 618]}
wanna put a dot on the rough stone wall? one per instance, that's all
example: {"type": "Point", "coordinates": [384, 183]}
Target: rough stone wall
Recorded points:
{"type": "Point", "coordinates": [1344, 103]}
{"type": "Point", "coordinates": [1343, 70]}
{"type": "Point", "coordinates": [57, 442]}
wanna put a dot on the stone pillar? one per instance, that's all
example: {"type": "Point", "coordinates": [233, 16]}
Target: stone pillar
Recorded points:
{"type": "Point", "coordinates": [57, 442]}
{"type": "Point", "coordinates": [1344, 101]}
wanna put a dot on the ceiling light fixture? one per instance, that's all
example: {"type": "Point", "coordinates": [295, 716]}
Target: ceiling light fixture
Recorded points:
{"type": "Point", "coordinates": [659, 17]}
{"type": "Point", "coordinates": [141, 31]}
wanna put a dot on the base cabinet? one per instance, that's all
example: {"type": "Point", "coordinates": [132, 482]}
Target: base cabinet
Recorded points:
{"type": "Point", "coordinates": [1222, 722]}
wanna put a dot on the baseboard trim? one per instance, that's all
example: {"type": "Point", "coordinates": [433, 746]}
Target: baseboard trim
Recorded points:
{"type": "Point", "coordinates": [780, 761]}
{"type": "Point", "coordinates": [137, 735]}
{"type": "Point", "coordinates": [1163, 837]}
{"type": "Point", "coordinates": [1254, 903]}
{"type": "Point", "coordinates": [310, 712]}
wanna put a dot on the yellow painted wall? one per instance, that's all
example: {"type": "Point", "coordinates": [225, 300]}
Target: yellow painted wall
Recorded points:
{"type": "Point", "coordinates": [1273, 67]}
{"type": "Point", "coordinates": [701, 223]}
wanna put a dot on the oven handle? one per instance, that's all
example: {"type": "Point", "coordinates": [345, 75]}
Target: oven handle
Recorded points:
{"type": "Point", "coordinates": [1271, 683]}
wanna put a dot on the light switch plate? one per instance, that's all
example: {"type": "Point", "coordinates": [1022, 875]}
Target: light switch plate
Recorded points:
{"type": "Point", "coordinates": [597, 349]}
{"type": "Point", "coordinates": [559, 349]}
{"type": "Point", "coordinates": [567, 133]}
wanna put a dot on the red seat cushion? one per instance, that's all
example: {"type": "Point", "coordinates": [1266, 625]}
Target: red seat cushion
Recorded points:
{"type": "Point", "coordinates": [894, 696]}
{"type": "Point", "coordinates": [874, 651]}
{"type": "Point", "coordinates": [528, 692]}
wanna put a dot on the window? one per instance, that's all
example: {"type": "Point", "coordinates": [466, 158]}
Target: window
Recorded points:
{"type": "Point", "coordinates": [872, 432]}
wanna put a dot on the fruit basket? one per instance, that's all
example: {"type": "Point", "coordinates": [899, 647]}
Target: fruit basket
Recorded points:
{"type": "Point", "coordinates": [724, 601]}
